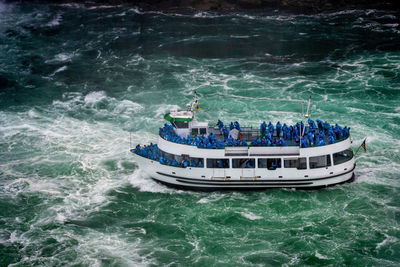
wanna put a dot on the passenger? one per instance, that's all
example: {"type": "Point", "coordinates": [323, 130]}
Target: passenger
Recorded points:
{"type": "Point", "coordinates": [310, 138]}
{"type": "Point", "coordinates": [273, 166]}
{"type": "Point", "coordinates": [346, 131]}
{"type": "Point", "coordinates": [271, 128]}
{"type": "Point", "coordinates": [278, 129]}
{"type": "Point", "coordinates": [211, 138]}
{"type": "Point", "coordinates": [269, 142]}
{"type": "Point", "coordinates": [192, 163]}
{"type": "Point", "coordinates": [226, 133]}
{"type": "Point", "coordinates": [320, 126]}
{"type": "Point", "coordinates": [220, 125]}
{"type": "Point", "coordinates": [283, 142]}
{"type": "Point", "coordinates": [269, 136]}
{"type": "Point", "coordinates": [279, 142]}
{"type": "Point", "coordinates": [263, 128]}
{"type": "Point", "coordinates": [249, 164]}
{"type": "Point", "coordinates": [331, 139]}
{"type": "Point", "coordinates": [200, 165]}
{"type": "Point", "coordinates": [312, 124]}
{"type": "Point", "coordinates": [231, 127]}
{"type": "Point", "coordinates": [220, 144]}
{"type": "Point", "coordinates": [237, 125]}
{"type": "Point", "coordinates": [219, 164]}
{"type": "Point", "coordinates": [326, 126]}
{"type": "Point", "coordinates": [244, 143]}
{"type": "Point", "coordinates": [304, 142]}
{"type": "Point", "coordinates": [321, 142]}
{"type": "Point", "coordinates": [285, 131]}
{"type": "Point", "coordinates": [174, 163]}
{"type": "Point", "coordinates": [297, 139]}
{"type": "Point", "coordinates": [185, 163]}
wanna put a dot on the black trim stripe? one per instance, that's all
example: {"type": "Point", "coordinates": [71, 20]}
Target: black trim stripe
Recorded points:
{"type": "Point", "coordinates": [252, 181]}
{"type": "Point", "coordinates": [259, 188]}
{"type": "Point", "coordinates": [252, 184]}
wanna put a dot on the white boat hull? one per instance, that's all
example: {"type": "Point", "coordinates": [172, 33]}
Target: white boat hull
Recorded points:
{"type": "Point", "coordinates": [207, 179]}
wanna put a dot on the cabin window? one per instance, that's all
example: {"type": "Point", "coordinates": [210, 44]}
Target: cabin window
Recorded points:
{"type": "Point", "coordinates": [290, 163]}
{"type": "Point", "coordinates": [243, 163]}
{"type": "Point", "coordinates": [181, 124]}
{"type": "Point", "coordinates": [196, 162]}
{"type": "Point", "coordinates": [342, 157]}
{"type": "Point", "coordinates": [320, 161]}
{"type": "Point", "coordinates": [270, 164]}
{"type": "Point", "coordinates": [203, 130]}
{"type": "Point", "coordinates": [217, 163]}
{"type": "Point", "coordinates": [302, 163]}
{"type": "Point", "coordinates": [195, 131]}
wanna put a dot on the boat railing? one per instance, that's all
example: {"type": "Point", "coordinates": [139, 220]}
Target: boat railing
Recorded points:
{"type": "Point", "coordinates": [250, 134]}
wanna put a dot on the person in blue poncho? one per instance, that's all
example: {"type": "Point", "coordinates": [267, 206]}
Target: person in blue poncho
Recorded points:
{"type": "Point", "coordinates": [278, 129]}
{"type": "Point", "coordinates": [331, 139]}
{"type": "Point", "coordinates": [231, 127]}
{"type": "Point", "coordinates": [263, 128]}
{"type": "Point", "coordinates": [225, 132]}
{"type": "Point", "coordinates": [244, 143]}
{"type": "Point", "coordinates": [269, 136]}
{"type": "Point", "coordinates": [304, 142]}
{"type": "Point", "coordinates": [249, 164]}
{"type": "Point", "coordinates": [237, 125]}
{"type": "Point", "coordinates": [174, 163]}
{"type": "Point", "coordinates": [219, 164]}
{"type": "Point", "coordinates": [321, 142]}
{"type": "Point", "coordinates": [271, 128]}
{"type": "Point", "coordinates": [220, 125]}
{"type": "Point", "coordinates": [200, 165]}
{"type": "Point", "coordinates": [220, 144]}
{"type": "Point", "coordinates": [283, 143]}
{"type": "Point", "coordinates": [185, 163]}
{"type": "Point", "coordinates": [297, 139]}
{"type": "Point", "coordinates": [346, 131]}
{"type": "Point", "coordinates": [312, 124]}
{"type": "Point", "coordinates": [192, 163]}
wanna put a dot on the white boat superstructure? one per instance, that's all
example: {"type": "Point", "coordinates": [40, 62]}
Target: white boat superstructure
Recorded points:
{"type": "Point", "coordinates": [191, 155]}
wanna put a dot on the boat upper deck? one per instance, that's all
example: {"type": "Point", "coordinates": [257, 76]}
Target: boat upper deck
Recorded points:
{"type": "Point", "coordinates": [220, 136]}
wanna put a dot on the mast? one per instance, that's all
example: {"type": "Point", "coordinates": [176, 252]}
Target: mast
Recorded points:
{"type": "Point", "coordinates": [307, 115]}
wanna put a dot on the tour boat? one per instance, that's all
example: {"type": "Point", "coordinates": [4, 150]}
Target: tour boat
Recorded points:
{"type": "Point", "coordinates": [201, 156]}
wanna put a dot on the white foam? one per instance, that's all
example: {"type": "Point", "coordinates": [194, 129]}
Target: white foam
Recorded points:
{"type": "Point", "coordinates": [94, 97]}
{"type": "Point", "coordinates": [63, 68]}
{"type": "Point", "coordinates": [320, 256]}
{"type": "Point", "coordinates": [141, 180]}
{"type": "Point", "coordinates": [250, 215]}
{"type": "Point", "coordinates": [55, 21]}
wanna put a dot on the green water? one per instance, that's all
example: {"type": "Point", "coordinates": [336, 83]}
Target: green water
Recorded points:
{"type": "Point", "coordinates": [76, 79]}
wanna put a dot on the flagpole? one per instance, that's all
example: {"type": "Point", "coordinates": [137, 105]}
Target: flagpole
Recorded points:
{"type": "Point", "coordinates": [360, 146]}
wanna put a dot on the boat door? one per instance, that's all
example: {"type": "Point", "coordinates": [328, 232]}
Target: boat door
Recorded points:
{"type": "Point", "coordinates": [219, 172]}
{"type": "Point", "coordinates": [248, 172]}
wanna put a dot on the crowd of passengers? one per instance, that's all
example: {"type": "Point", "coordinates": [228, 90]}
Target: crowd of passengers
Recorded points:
{"type": "Point", "coordinates": [316, 134]}
{"type": "Point", "coordinates": [153, 152]}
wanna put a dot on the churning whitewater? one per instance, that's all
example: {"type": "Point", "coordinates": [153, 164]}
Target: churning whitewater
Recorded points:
{"type": "Point", "coordinates": [80, 82]}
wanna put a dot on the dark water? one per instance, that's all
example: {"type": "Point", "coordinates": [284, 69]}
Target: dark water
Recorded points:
{"type": "Point", "coordinates": [75, 79]}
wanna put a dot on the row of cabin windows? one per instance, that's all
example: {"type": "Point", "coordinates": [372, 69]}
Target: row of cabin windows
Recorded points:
{"type": "Point", "coordinates": [274, 163]}
{"type": "Point", "coordinates": [268, 163]}
{"type": "Point", "coordinates": [193, 162]}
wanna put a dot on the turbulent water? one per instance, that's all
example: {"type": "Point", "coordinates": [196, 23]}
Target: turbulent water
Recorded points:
{"type": "Point", "coordinates": [77, 79]}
